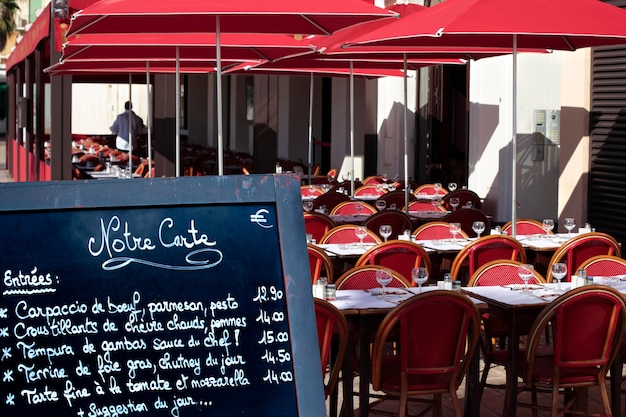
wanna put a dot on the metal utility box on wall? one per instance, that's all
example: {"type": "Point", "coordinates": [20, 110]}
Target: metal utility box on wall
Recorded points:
{"type": "Point", "coordinates": [547, 131]}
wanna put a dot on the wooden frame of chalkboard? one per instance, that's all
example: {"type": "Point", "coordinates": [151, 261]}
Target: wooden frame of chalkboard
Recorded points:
{"type": "Point", "coordinates": [157, 297]}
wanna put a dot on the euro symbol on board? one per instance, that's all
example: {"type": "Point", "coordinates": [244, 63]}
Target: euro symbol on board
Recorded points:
{"type": "Point", "coordinates": [259, 218]}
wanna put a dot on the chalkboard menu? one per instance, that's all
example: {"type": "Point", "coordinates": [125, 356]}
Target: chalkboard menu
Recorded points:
{"type": "Point", "coordinates": [157, 297]}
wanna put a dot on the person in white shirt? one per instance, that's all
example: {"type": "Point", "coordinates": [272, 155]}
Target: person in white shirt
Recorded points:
{"type": "Point", "coordinates": [120, 128]}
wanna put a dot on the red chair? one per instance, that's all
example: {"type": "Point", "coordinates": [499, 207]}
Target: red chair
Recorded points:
{"type": "Point", "coordinates": [352, 207]}
{"type": "Point", "coordinates": [398, 220]}
{"type": "Point", "coordinates": [467, 217]}
{"type": "Point", "coordinates": [329, 200]}
{"type": "Point", "coordinates": [346, 234]}
{"type": "Point", "coordinates": [430, 358]}
{"type": "Point", "coordinates": [310, 191]}
{"type": "Point", "coordinates": [373, 180]}
{"type": "Point", "coordinates": [525, 227]}
{"type": "Point", "coordinates": [588, 326]}
{"type": "Point", "coordinates": [317, 224]}
{"type": "Point", "coordinates": [400, 255]}
{"type": "Point", "coordinates": [483, 250]}
{"type": "Point", "coordinates": [369, 190]}
{"type": "Point", "coordinates": [320, 263]}
{"type": "Point", "coordinates": [604, 266]}
{"type": "Point", "coordinates": [331, 326]}
{"type": "Point", "coordinates": [580, 248]}
{"type": "Point", "coordinates": [364, 277]}
{"type": "Point", "coordinates": [424, 206]}
{"type": "Point", "coordinates": [467, 199]}
{"type": "Point", "coordinates": [498, 272]}
{"type": "Point", "coordinates": [434, 231]}
{"type": "Point", "coordinates": [429, 189]}
{"type": "Point", "coordinates": [396, 197]}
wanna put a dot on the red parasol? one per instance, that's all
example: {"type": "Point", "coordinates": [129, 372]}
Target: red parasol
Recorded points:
{"type": "Point", "coordinates": [217, 16]}
{"type": "Point", "coordinates": [556, 24]}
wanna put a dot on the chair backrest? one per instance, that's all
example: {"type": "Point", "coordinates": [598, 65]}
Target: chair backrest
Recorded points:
{"type": "Point", "coordinates": [587, 326]}
{"type": "Point", "coordinates": [351, 207]}
{"type": "Point", "coordinates": [396, 197]}
{"type": "Point", "coordinates": [330, 200]}
{"type": "Point", "coordinates": [525, 227]}
{"type": "Point", "coordinates": [435, 230]}
{"type": "Point", "coordinates": [331, 326]}
{"type": "Point", "coordinates": [604, 266]}
{"type": "Point", "coordinates": [483, 250]}
{"type": "Point", "coordinates": [467, 217]}
{"type": "Point", "coordinates": [369, 190]}
{"type": "Point", "coordinates": [429, 189]}
{"type": "Point", "coordinates": [373, 180]}
{"type": "Point", "coordinates": [426, 346]}
{"type": "Point", "coordinates": [398, 220]}
{"type": "Point", "coordinates": [345, 233]}
{"type": "Point", "coordinates": [320, 263]}
{"type": "Point", "coordinates": [501, 272]}
{"type": "Point", "coordinates": [310, 191]}
{"type": "Point", "coordinates": [465, 197]}
{"type": "Point", "coordinates": [400, 255]}
{"type": "Point", "coordinates": [582, 247]}
{"type": "Point", "coordinates": [364, 277]}
{"type": "Point", "coordinates": [424, 206]}
{"type": "Point", "coordinates": [317, 224]}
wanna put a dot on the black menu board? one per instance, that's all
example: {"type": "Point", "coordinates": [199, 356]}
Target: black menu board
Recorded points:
{"type": "Point", "coordinates": [157, 297]}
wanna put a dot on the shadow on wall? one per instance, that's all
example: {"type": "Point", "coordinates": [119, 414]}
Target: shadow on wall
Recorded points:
{"type": "Point", "coordinates": [391, 152]}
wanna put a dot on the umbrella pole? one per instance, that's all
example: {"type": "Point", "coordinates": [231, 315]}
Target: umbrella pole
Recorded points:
{"type": "Point", "coordinates": [177, 112]}
{"type": "Point", "coordinates": [514, 143]}
{"type": "Point", "coordinates": [351, 129]}
{"type": "Point", "coordinates": [310, 160]}
{"type": "Point", "coordinates": [218, 56]}
{"type": "Point", "coordinates": [406, 140]}
{"type": "Point", "coordinates": [130, 125]}
{"type": "Point", "coordinates": [149, 121]}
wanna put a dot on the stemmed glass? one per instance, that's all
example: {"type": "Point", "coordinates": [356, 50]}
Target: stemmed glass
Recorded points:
{"type": "Point", "coordinates": [307, 205]}
{"type": "Point", "coordinates": [358, 207]}
{"type": "Point", "coordinates": [525, 272]}
{"type": "Point", "coordinates": [455, 229]}
{"type": "Point", "coordinates": [360, 232]}
{"type": "Point", "coordinates": [385, 231]}
{"type": "Point", "coordinates": [452, 186]}
{"type": "Point", "coordinates": [419, 276]}
{"type": "Point", "coordinates": [559, 270]}
{"type": "Point", "coordinates": [454, 202]}
{"type": "Point", "coordinates": [381, 205]}
{"type": "Point", "coordinates": [437, 187]}
{"type": "Point", "coordinates": [383, 277]}
{"type": "Point", "coordinates": [478, 227]}
{"type": "Point", "coordinates": [547, 224]}
{"type": "Point", "coordinates": [569, 224]}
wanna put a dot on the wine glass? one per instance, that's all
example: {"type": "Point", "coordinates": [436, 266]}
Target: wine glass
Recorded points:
{"type": "Point", "coordinates": [569, 224]}
{"type": "Point", "coordinates": [547, 224]}
{"type": "Point", "coordinates": [452, 186]}
{"type": "Point", "coordinates": [358, 206]}
{"type": "Point", "coordinates": [307, 205]}
{"type": "Point", "coordinates": [559, 270]}
{"type": "Point", "coordinates": [437, 187]}
{"type": "Point", "coordinates": [478, 227]}
{"type": "Point", "coordinates": [420, 276]}
{"type": "Point", "coordinates": [455, 229]}
{"type": "Point", "coordinates": [385, 231]}
{"type": "Point", "coordinates": [381, 205]}
{"type": "Point", "coordinates": [454, 202]}
{"type": "Point", "coordinates": [360, 232]}
{"type": "Point", "coordinates": [525, 272]}
{"type": "Point", "coordinates": [383, 277]}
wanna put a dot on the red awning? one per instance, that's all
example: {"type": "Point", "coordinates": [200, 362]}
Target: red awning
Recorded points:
{"type": "Point", "coordinates": [39, 30]}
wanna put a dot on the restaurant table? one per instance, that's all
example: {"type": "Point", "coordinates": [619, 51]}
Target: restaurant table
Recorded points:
{"type": "Point", "coordinates": [365, 309]}
{"type": "Point", "coordinates": [519, 309]}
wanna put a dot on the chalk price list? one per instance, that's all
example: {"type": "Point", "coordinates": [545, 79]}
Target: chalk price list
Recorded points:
{"type": "Point", "coordinates": [113, 357]}
{"type": "Point", "coordinates": [276, 352]}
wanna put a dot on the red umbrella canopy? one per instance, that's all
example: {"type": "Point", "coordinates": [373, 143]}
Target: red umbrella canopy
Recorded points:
{"type": "Point", "coordinates": [191, 46]}
{"type": "Point", "coordinates": [252, 68]}
{"type": "Point", "coordinates": [389, 63]}
{"type": "Point", "coordinates": [241, 16]}
{"type": "Point", "coordinates": [553, 24]}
